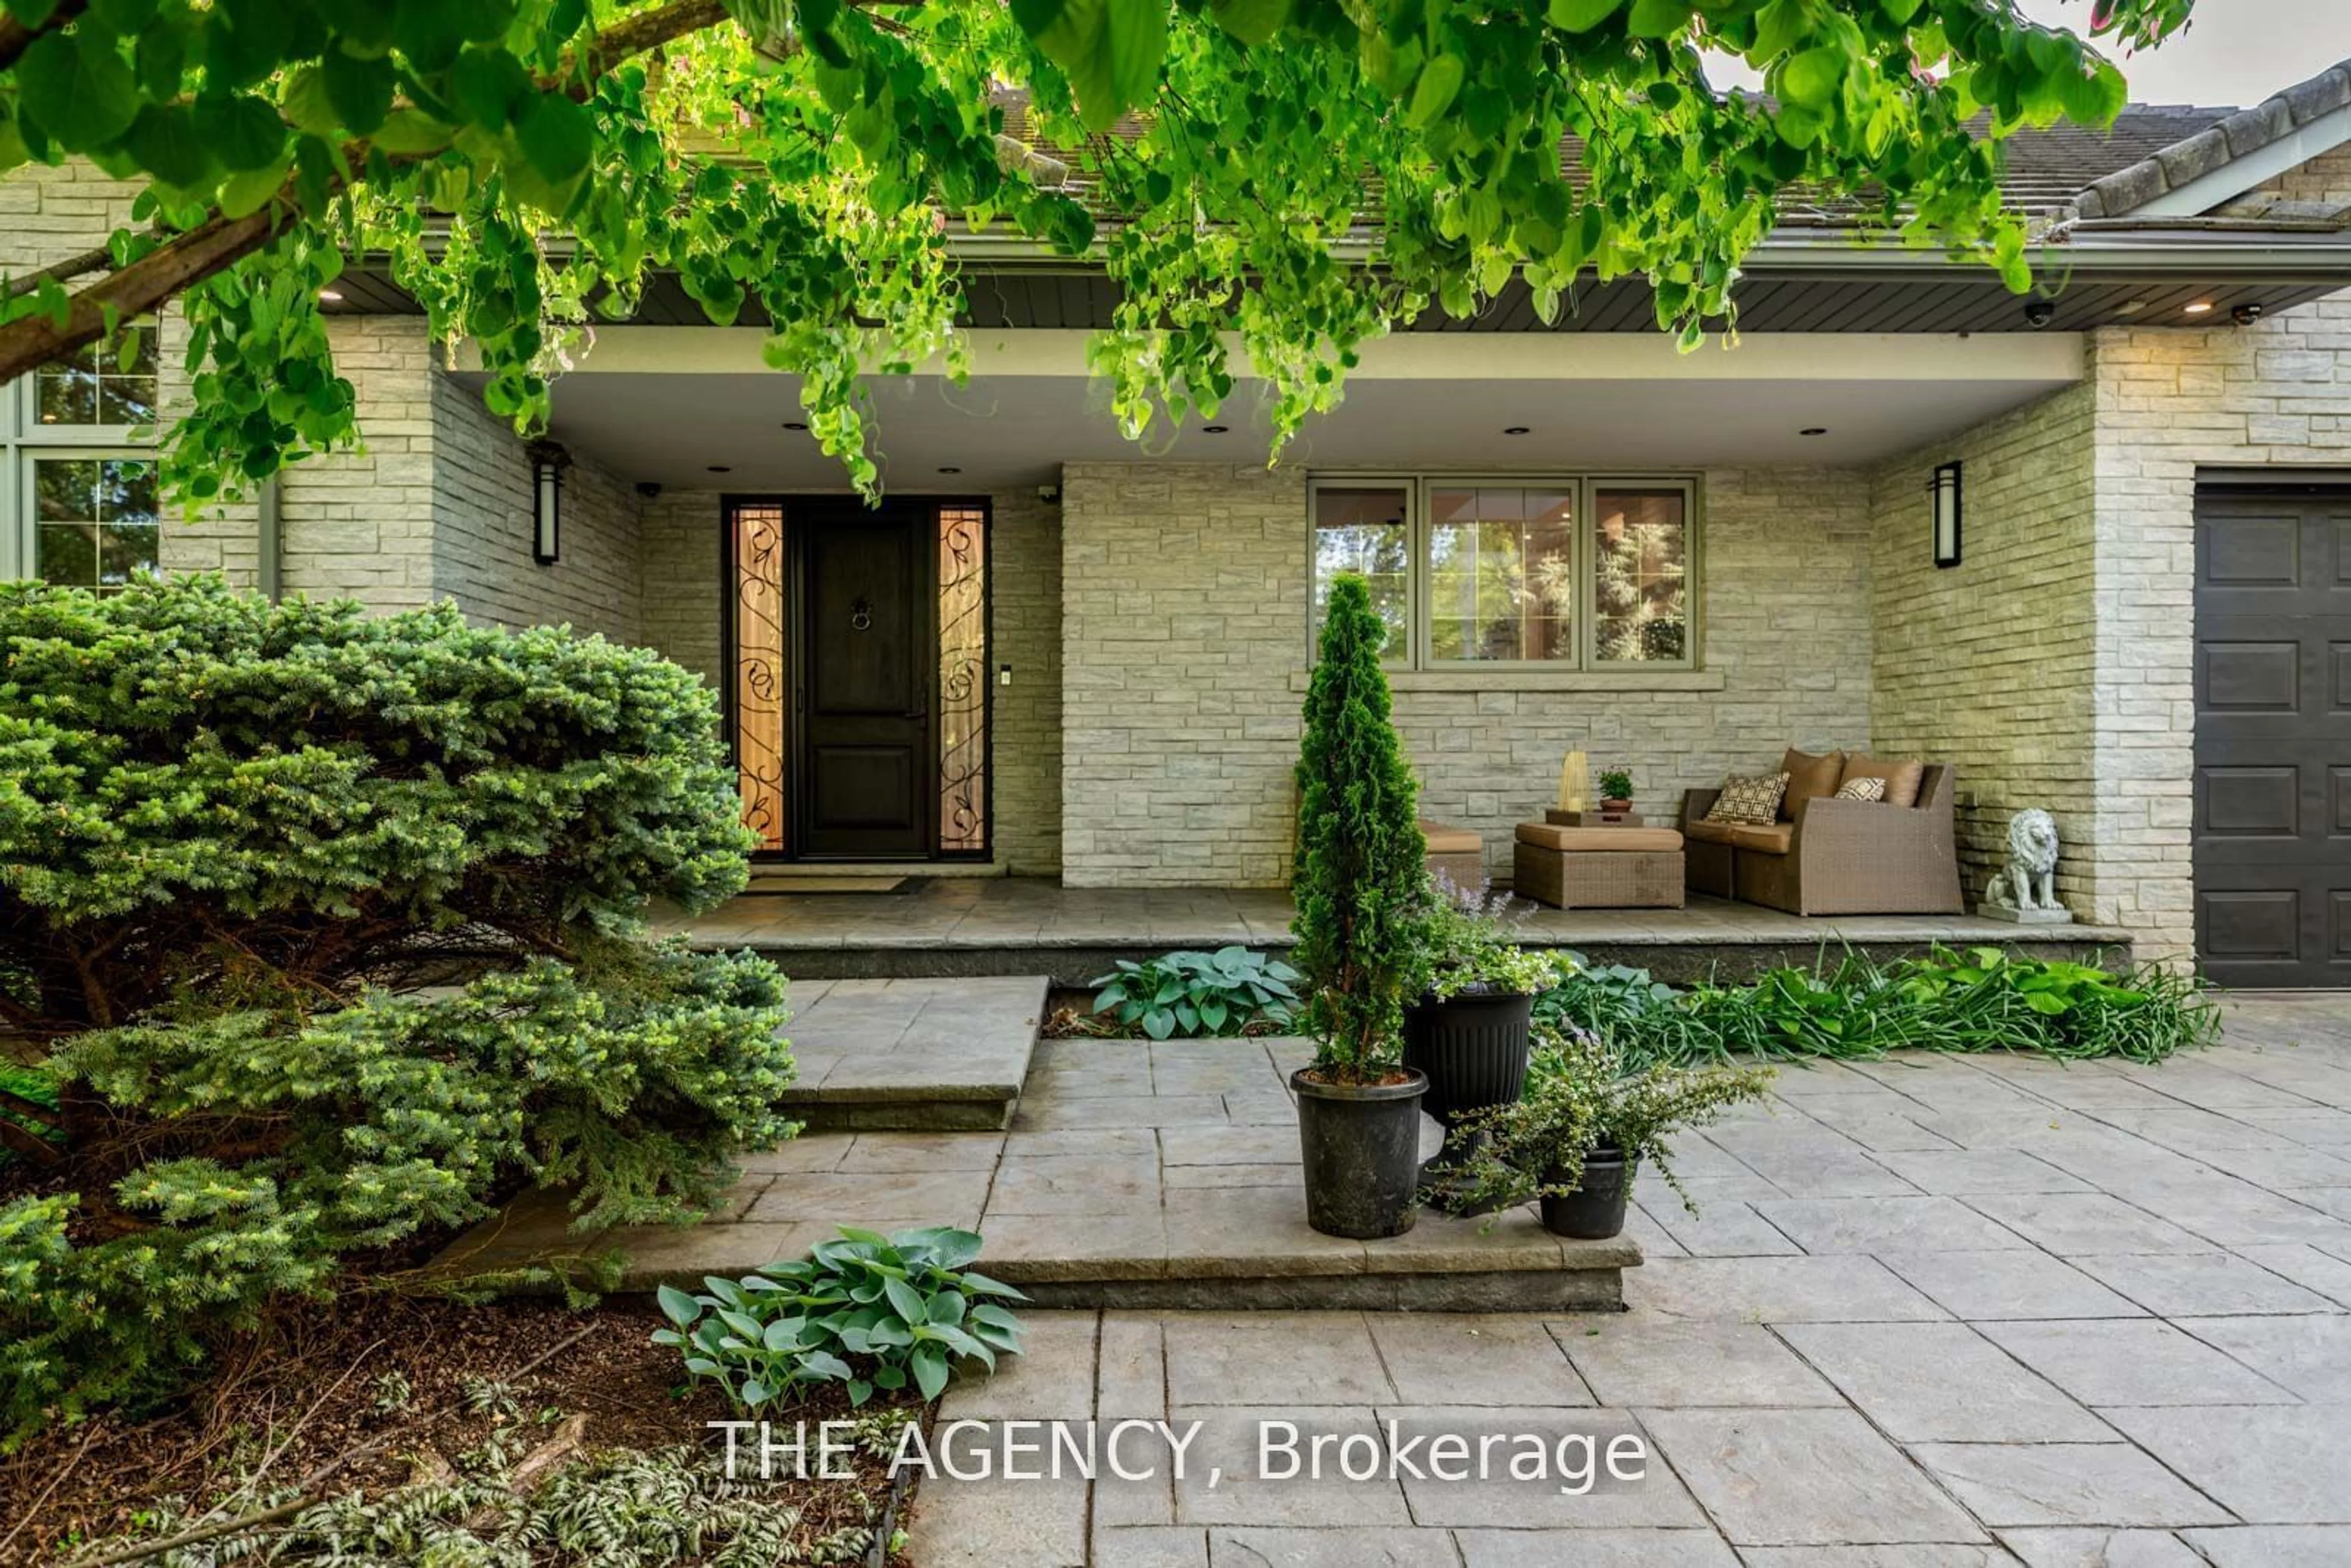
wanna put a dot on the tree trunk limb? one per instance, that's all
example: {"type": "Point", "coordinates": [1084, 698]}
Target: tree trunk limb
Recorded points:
{"type": "Point", "coordinates": [144, 286]}
{"type": "Point", "coordinates": [72, 266]}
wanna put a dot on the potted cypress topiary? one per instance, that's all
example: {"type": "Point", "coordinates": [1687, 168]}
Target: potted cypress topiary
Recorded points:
{"type": "Point", "coordinates": [1359, 885]}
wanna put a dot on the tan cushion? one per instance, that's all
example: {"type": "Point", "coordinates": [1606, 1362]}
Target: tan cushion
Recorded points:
{"type": "Point", "coordinates": [1901, 777]}
{"type": "Point", "coordinates": [1754, 800]}
{"type": "Point", "coordinates": [1708, 832]}
{"type": "Point", "coordinates": [1771, 840]}
{"type": "Point", "coordinates": [1809, 779]}
{"type": "Point", "coordinates": [1542, 835]}
{"type": "Point", "coordinates": [1447, 840]}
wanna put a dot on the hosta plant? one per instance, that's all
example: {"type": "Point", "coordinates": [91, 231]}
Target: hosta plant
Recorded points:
{"type": "Point", "coordinates": [874, 1313]}
{"type": "Point", "coordinates": [1216, 993]}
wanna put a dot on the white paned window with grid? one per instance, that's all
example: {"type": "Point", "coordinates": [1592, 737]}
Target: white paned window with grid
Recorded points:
{"type": "Point", "coordinates": [79, 498]}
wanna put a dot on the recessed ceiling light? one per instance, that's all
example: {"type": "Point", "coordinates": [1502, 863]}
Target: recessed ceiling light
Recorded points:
{"type": "Point", "coordinates": [2200, 308]}
{"type": "Point", "coordinates": [719, 468]}
{"type": "Point", "coordinates": [795, 425]}
{"type": "Point", "coordinates": [1814, 430]}
{"type": "Point", "coordinates": [1214, 429]}
{"type": "Point", "coordinates": [332, 295]}
{"type": "Point", "coordinates": [949, 468]}
{"type": "Point", "coordinates": [1514, 429]}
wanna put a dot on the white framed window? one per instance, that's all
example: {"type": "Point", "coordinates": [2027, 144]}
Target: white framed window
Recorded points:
{"type": "Point", "coordinates": [1563, 573]}
{"type": "Point", "coordinates": [79, 502]}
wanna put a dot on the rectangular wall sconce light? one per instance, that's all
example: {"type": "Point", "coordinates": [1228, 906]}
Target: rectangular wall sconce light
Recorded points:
{"type": "Point", "coordinates": [1944, 499]}
{"type": "Point", "coordinates": [547, 461]}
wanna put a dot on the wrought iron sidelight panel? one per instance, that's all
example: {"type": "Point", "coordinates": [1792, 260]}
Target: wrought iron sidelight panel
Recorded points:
{"type": "Point", "coordinates": [757, 606]}
{"type": "Point", "coordinates": [963, 680]}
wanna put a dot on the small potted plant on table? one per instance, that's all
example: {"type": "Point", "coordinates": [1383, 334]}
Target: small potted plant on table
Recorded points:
{"type": "Point", "coordinates": [1616, 791]}
{"type": "Point", "coordinates": [1585, 1127]}
{"type": "Point", "coordinates": [1360, 887]}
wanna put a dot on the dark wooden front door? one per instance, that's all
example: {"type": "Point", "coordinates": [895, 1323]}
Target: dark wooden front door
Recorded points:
{"type": "Point", "coordinates": [866, 678]}
{"type": "Point", "coordinates": [2272, 814]}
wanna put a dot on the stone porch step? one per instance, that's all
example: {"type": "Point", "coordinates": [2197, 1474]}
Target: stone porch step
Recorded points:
{"type": "Point", "coordinates": [913, 1054]}
{"type": "Point", "coordinates": [1133, 1175]}
{"type": "Point", "coordinates": [1021, 925]}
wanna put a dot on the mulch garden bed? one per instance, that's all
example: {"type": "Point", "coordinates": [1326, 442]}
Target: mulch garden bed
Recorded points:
{"type": "Point", "coordinates": [378, 1392]}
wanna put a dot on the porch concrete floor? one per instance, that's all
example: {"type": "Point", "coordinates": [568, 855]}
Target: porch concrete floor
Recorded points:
{"type": "Point", "coordinates": [1132, 1173]}
{"type": "Point", "coordinates": [956, 925]}
{"type": "Point", "coordinates": [1938, 1312]}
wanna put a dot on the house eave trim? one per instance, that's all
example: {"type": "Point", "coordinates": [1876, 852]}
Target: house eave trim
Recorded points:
{"type": "Point", "coordinates": [2238, 175]}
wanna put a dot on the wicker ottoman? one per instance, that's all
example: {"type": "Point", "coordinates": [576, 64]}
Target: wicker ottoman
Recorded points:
{"type": "Point", "coordinates": [1598, 868]}
{"type": "Point", "coordinates": [1457, 854]}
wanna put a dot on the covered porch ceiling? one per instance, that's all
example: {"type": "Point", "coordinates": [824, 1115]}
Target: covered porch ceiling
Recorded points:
{"type": "Point", "coordinates": [695, 408]}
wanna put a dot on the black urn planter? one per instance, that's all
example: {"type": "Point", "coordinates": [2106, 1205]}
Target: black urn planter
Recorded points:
{"type": "Point", "coordinates": [1474, 1049]}
{"type": "Point", "coordinates": [1361, 1145]}
{"type": "Point", "coordinates": [1594, 1211]}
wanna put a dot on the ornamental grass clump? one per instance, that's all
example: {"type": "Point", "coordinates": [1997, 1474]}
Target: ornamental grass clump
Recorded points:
{"type": "Point", "coordinates": [1858, 1009]}
{"type": "Point", "coordinates": [1361, 881]}
{"type": "Point", "coordinates": [322, 935]}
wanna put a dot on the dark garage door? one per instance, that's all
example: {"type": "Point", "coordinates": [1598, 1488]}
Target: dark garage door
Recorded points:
{"type": "Point", "coordinates": [2273, 737]}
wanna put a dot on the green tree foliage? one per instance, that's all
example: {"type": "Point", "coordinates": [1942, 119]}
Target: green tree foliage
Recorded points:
{"type": "Point", "coordinates": [250, 1154]}
{"type": "Point", "coordinates": [526, 165]}
{"type": "Point", "coordinates": [1361, 882]}
{"type": "Point", "coordinates": [199, 787]}
{"type": "Point", "coordinates": [237, 839]}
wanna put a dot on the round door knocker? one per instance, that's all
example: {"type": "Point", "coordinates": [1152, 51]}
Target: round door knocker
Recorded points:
{"type": "Point", "coordinates": [860, 615]}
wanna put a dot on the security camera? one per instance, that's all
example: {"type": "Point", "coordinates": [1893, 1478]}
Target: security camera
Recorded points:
{"type": "Point", "coordinates": [648, 488]}
{"type": "Point", "coordinates": [2245, 315]}
{"type": "Point", "coordinates": [2039, 313]}
{"type": "Point", "coordinates": [1049, 494]}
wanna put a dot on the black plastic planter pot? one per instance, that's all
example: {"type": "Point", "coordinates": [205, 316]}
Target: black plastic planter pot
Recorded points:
{"type": "Point", "coordinates": [1594, 1211]}
{"type": "Point", "coordinates": [1361, 1150]}
{"type": "Point", "coordinates": [1474, 1049]}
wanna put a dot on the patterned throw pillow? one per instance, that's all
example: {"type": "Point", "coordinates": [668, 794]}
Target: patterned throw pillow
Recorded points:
{"type": "Point", "coordinates": [1862, 789]}
{"type": "Point", "coordinates": [1754, 802]}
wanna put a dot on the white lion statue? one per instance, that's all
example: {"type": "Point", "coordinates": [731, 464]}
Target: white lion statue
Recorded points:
{"type": "Point", "coordinates": [2030, 881]}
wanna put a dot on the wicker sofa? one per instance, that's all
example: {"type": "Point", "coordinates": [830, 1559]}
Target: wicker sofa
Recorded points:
{"type": "Point", "coordinates": [1837, 857]}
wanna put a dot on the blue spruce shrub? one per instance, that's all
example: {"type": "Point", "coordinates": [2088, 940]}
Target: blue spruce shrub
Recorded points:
{"type": "Point", "coordinates": [327, 929]}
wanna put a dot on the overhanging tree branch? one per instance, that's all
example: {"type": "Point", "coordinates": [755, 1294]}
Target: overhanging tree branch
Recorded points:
{"type": "Point", "coordinates": [94, 260]}
{"type": "Point", "coordinates": [219, 241]}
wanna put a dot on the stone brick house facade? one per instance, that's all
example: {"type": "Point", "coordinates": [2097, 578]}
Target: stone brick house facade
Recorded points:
{"type": "Point", "coordinates": [1144, 632]}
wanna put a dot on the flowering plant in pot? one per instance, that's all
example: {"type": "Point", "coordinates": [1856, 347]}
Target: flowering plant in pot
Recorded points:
{"type": "Point", "coordinates": [1585, 1127]}
{"type": "Point", "coordinates": [1468, 1031]}
{"type": "Point", "coordinates": [1360, 885]}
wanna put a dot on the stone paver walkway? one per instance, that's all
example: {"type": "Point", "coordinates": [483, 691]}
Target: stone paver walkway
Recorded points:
{"type": "Point", "coordinates": [1934, 1312]}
